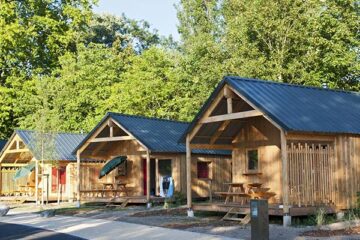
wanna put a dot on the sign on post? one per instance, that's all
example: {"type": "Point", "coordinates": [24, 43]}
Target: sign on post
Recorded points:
{"type": "Point", "coordinates": [259, 212]}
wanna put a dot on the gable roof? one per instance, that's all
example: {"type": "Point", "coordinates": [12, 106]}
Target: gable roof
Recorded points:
{"type": "Point", "coordinates": [2, 144]}
{"type": "Point", "coordinates": [64, 143]}
{"type": "Point", "coordinates": [158, 135]}
{"type": "Point", "coordinates": [295, 107]}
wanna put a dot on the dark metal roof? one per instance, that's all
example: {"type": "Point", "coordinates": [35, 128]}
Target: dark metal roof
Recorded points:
{"type": "Point", "coordinates": [64, 143]}
{"type": "Point", "coordinates": [158, 135]}
{"type": "Point", "coordinates": [2, 144]}
{"type": "Point", "coordinates": [298, 108]}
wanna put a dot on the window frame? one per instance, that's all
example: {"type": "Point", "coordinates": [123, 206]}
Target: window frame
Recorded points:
{"type": "Point", "coordinates": [209, 168]}
{"type": "Point", "coordinates": [257, 170]}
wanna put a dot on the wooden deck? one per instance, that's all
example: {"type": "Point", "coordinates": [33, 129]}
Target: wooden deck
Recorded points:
{"type": "Point", "coordinates": [274, 209]}
{"type": "Point", "coordinates": [22, 199]}
{"type": "Point", "coordinates": [129, 199]}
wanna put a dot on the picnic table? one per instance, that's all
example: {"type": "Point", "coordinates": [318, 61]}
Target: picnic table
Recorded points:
{"type": "Point", "coordinates": [108, 190]}
{"type": "Point", "coordinates": [107, 186]}
{"type": "Point", "coordinates": [252, 191]}
{"type": "Point", "coordinates": [235, 189]}
{"type": "Point", "coordinates": [26, 190]}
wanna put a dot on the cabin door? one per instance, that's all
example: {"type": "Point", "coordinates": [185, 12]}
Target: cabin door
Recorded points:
{"type": "Point", "coordinates": [58, 177]}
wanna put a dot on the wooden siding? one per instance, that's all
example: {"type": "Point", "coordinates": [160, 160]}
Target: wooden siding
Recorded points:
{"type": "Point", "coordinates": [262, 135]}
{"type": "Point", "coordinates": [330, 176]}
{"type": "Point", "coordinates": [220, 165]}
{"type": "Point", "coordinates": [220, 173]}
{"type": "Point", "coordinates": [347, 170]}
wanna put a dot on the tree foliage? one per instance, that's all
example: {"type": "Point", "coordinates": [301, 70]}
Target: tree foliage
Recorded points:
{"type": "Point", "coordinates": [121, 31]}
{"type": "Point", "coordinates": [85, 64]}
{"type": "Point", "coordinates": [33, 35]}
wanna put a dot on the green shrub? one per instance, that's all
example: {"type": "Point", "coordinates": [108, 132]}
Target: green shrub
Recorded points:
{"type": "Point", "coordinates": [320, 217]}
{"type": "Point", "coordinates": [178, 198]}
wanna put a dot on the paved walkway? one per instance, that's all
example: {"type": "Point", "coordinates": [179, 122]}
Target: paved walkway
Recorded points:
{"type": "Point", "coordinates": [103, 229]}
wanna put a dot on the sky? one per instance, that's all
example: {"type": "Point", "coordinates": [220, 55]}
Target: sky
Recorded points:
{"type": "Point", "coordinates": [161, 14]}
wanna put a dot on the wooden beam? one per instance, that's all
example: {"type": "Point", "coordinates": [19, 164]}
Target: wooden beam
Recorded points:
{"type": "Point", "coordinates": [128, 133]}
{"type": "Point", "coordinates": [220, 130]}
{"type": "Point", "coordinates": [112, 139]}
{"type": "Point", "coordinates": [228, 93]}
{"type": "Point", "coordinates": [254, 107]}
{"type": "Point", "coordinates": [212, 146]}
{"type": "Point", "coordinates": [157, 176]}
{"type": "Point", "coordinates": [206, 114]}
{"type": "Point", "coordinates": [148, 176]}
{"type": "Point", "coordinates": [36, 182]}
{"type": "Point", "coordinates": [14, 138]}
{"type": "Point", "coordinates": [110, 123]}
{"type": "Point", "coordinates": [232, 116]}
{"type": "Point", "coordinates": [111, 132]}
{"type": "Point", "coordinates": [188, 172]}
{"type": "Point", "coordinates": [13, 164]}
{"type": "Point", "coordinates": [229, 105]}
{"type": "Point", "coordinates": [17, 150]}
{"type": "Point", "coordinates": [78, 176]}
{"type": "Point", "coordinates": [86, 144]}
{"type": "Point", "coordinates": [285, 177]}
{"type": "Point", "coordinates": [0, 178]}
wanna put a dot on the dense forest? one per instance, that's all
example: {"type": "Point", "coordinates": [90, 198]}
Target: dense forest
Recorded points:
{"type": "Point", "coordinates": [63, 66]}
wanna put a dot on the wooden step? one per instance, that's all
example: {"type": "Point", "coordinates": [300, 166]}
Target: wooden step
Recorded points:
{"type": "Point", "coordinates": [233, 219]}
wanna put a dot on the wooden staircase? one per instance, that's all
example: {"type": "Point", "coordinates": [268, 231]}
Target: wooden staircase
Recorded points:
{"type": "Point", "coordinates": [232, 215]}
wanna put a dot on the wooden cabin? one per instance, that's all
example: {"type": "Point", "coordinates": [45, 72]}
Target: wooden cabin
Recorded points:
{"type": "Point", "coordinates": [301, 143]}
{"type": "Point", "coordinates": [152, 150]}
{"type": "Point", "coordinates": [59, 172]}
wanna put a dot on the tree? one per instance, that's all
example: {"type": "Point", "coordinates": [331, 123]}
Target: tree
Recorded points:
{"type": "Point", "coordinates": [43, 138]}
{"type": "Point", "coordinates": [149, 85]}
{"type": "Point", "coordinates": [121, 32]}
{"type": "Point", "coordinates": [80, 87]}
{"type": "Point", "coordinates": [304, 42]}
{"type": "Point", "coordinates": [202, 65]}
{"type": "Point", "coordinates": [33, 35]}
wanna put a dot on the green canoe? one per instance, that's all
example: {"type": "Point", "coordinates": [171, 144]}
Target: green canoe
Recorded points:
{"type": "Point", "coordinates": [24, 171]}
{"type": "Point", "coordinates": [111, 165]}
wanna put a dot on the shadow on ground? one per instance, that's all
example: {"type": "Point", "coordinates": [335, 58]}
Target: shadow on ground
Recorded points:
{"type": "Point", "coordinates": [16, 231]}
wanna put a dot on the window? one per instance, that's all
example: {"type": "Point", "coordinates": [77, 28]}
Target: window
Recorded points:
{"type": "Point", "coordinates": [203, 169]}
{"type": "Point", "coordinates": [253, 159]}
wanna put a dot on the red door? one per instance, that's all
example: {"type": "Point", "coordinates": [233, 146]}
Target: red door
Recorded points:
{"type": "Point", "coordinates": [58, 177]}
{"type": "Point", "coordinates": [144, 174]}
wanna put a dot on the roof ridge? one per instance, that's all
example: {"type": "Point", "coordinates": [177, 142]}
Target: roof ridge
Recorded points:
{"type": "Point", "coordinates": [146, 117]}
{"type": "Point", "coordinates": [30, 130]}
{"type": "Point", "coordinates": [292, 85]}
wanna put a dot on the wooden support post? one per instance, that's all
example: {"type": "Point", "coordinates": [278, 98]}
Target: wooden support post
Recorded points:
{"type": "Point", "coordinates": [78, 177]}
{"type": "Point", "coordinates": [157, 177]}
{"type": "Point", "coordinates": [188, 172]}
{"type": "Point", "coordinates": [111, 131]}
{"type": "Point", "coordinates": [148, 176]}
{"type": "Point", "coordinates": [36, 181]}
{"type": "Point", "coordinates": [229, 105]}
{"type": "Point", "coordinates": [285, 177]}
{"type": "Point", "coordinates": [0, 178]}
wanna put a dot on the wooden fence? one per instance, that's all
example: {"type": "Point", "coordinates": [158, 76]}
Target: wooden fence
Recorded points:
{"type": "Point", "coordinates": [310, 173]}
